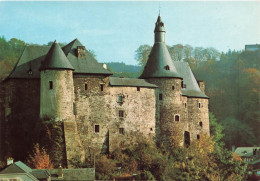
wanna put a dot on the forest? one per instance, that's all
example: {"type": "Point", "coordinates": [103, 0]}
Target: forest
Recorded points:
{"type": "Point", "coordinates": [232, 82]}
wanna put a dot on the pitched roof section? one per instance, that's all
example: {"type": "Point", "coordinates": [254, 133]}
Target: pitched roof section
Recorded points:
{"type": "Point", "coordinates": [56, 59]}
{"type": "Point", "coordinates": [192, 88]}
{"type": "Point", "coordinates": [29, 63]}
{"type": "Point", "coordinates": [159, 64]}
{"type": "Point", "coordinates": [85, 65]}
{"type": "Point", "coordinates": [127, 82]}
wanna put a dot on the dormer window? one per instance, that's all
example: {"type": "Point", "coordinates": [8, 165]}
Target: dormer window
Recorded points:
{"type": "Point", "coordinates": [167, 67]}
{"type": "Point", "coordinates": [183, 85]}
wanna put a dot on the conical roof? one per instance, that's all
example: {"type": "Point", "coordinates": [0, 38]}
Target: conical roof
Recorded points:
{"type": "Point", "coordinates": [56, 59]}
{"type": "Point", "coordinates": [159, 25]}
{"type": "Point", "coordinates": [159, 63]}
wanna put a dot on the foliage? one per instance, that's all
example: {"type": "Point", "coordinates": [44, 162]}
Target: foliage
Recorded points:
{"type": "Point", "coordinates": [216, 130]}
{"type": "Point", "coordinates": [39, 159]}
{"type": "Point", "coordinates": [142, 54]}
{"type": "Point", "coordinates": [202, 160]}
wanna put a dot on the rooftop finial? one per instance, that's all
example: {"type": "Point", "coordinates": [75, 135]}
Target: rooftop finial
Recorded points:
{"type": "Point", "coordinates": [159, 9]}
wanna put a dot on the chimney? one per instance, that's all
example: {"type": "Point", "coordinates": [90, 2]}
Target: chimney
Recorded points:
{"type": "Point", "coordinates": [81, 52]}
{"type": "Point", "coordinates": [201, 85]}
{"type": "Point", "coordinates": [104, 66]}
{"type": "Point", "coordinates": [60, 173]}
{"type": "Point", "coordinates": [10, 161]}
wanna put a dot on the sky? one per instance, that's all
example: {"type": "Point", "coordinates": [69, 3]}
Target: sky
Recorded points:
{"type": "Point", "coordinates": [115, 29]}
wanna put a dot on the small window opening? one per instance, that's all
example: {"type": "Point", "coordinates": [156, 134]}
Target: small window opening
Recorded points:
{"type": "Point", "coordinates": [183, 85]}
{"type": "Point", "coordinates": [74, 109]}
{"type": "Point", "coordinates": [86, 86]}
{"type": "Point", "coordinates": [167, 67]}
{"type": "Point", "coordinates": [160, 97]}
{"type": "Point", "coordinates": [200, 124]}
{"type": "Point", "coordinates": [138, 88]}
{"type": "Point", "coordinates": [185, 105]}
{"type": "Point", "coordinates": [97, 128]}
{"type": "Point", "coordinates": [187, 138]}
{"type": "Point", "coordinates": [30, 72]}
{"type": "Point", "coordinates": [173, 87]}
{"type": "Point", "coordinates": [151, 129]}
{"type": "Point", "coordinates": [120, 98]}
{"type": "Point", "coordinates": [198, 137]}
{"type": "Point", "coordinates": [177, 118]}
{"type": "Point", "coordinates": [50, 85]}
{"type": "Point", "coordinates": [102, 87]}
{"type": "Point", "coordinates": [121, 113]}
{"type": "Point", "coordinates": [121, 131]}
{"type": "Point", "coordinates": [199, 104]}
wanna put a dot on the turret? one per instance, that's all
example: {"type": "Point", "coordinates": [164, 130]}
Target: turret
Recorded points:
{"type": "Point", "coordinates": [160, 70]}
{"type": "Point", "coordinates": [57, 91]}
{"type": "Point", "coordinates": [159, 31]}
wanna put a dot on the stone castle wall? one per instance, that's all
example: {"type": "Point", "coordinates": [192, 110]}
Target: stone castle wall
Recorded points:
{"type": "Point", "coordinates": [57, 102]}
{"type": "Point", "coordinates": [101, 108]}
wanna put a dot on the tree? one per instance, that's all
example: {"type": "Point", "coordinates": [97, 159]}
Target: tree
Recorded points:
{"type": "Point", "coordinates": [142, 54]}
{"type": "Point", "coordinates": [39, 159]}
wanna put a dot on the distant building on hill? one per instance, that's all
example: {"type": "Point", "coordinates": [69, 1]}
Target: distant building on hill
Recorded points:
{"type": "Point", "coordinates": [252, 47]}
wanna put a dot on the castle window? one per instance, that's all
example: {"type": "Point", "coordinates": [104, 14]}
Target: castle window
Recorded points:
{"type": "Point", "coordinates": [102, 87]}
{"type": "Point", "coordinates": [199, 104]}
{"type": "Point", "coordinates": [86, 86]}
{"type": "Point", "coordinates": [121, 131]}
{"type": "Point", "coordinates": [50, 85]}
{"type": "Point", "coordinates": [177, 118]}
{"type": "Point", "coordinates": [138, 88]}
{"type": "Point", "coordinates": [200, 124]}
{"type": "Point", "coordinates": [183, 85]}
{"type": "Point", "coordinates": [30, 72]}
{"type": "Point", "coordinates": [173, 87]}
{"type": "Point", "coordinates": [151, 129]}
{"type": "Point", "coordinates": [121, 113]}
{"type": "Point", "coordinates": [185, 105]}
{"type": "Point", "coordinates": [97, 128]}
{"type": "Point", "coordinates": [187, 138]}
{"type": "Point", "coordinates": [120, 98]}
{"type": "Point", "coordinates": [167, 67]}
{"type": "Point", "coordinates": [74, 109]}
{"type": "Point", "coordinates": [160, 97]}
{"type": "Point", "coordinates": [198, 136]}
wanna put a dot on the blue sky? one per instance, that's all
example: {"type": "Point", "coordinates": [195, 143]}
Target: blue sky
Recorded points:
{"type": "Point", "coordinates": [114, 30]}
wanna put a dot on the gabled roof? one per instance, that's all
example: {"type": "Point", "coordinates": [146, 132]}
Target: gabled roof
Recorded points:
{"type": "Point", "coordinates": [55, 59]}
{"type": "Point", "coordinates": [32, 56]}
{"type": "Point", "coordinates": [159, 64]}
{"type": "Point", "coordinates": [128, 82]}
{"type": "Point", "coordinates": [16, 167]}
{"type": "Point", "coordinates": [192, 88]}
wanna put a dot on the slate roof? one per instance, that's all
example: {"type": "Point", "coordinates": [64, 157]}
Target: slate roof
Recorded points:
{"type": "Point", "coordinates": [129, 82]}
{"type": "Point", "coordinates": [55, 59]}
{"type": "Point", "coordinates": [32, 57]}
{"type": "Point", "coordinates": [192, 88]}
{"type": "Point", "coordinates": [79, 174]}
{"type": "Point", "coordinates": [245, 151]}
{"type": "Point", "coordinates": [158, 59]}
{"type": "Point", "coordinates": [159, 25]}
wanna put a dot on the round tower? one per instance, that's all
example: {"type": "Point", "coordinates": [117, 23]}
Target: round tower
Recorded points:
{"type": "Point", "coordinates": [161, 71]}
{"type": "Point", "coordinates": [57, 90]}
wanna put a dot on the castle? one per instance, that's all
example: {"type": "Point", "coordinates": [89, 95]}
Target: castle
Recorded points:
{"type": "Point", "coordinates": [97, 110]}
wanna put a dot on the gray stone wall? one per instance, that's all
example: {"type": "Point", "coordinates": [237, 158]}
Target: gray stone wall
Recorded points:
{"type": "Point", "coordinates": [57, 102]}
{"type": "Point", "coordinates": [97, 107]}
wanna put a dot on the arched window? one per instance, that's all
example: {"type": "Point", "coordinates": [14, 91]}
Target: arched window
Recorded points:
{"type": "Point", "coordinates": [200, 124]}
{"type": "Point", "coordinates": [177, 118]}
{"type": "Point", "coordinates": [167, 67]}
